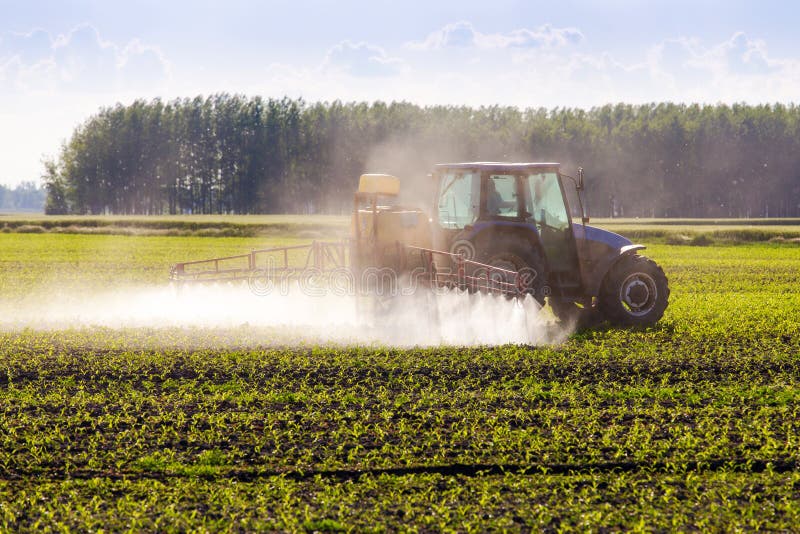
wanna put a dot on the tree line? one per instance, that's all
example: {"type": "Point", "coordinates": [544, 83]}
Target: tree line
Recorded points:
{"type": "Point", "coordinates": [234, 154]}
{"type": "Point", "coordinates": [25, 196]}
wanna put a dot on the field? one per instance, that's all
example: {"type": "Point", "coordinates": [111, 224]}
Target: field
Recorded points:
{"type": "Point", "coordinates": [690, 425]}
{"type": "Point", "coordinates": [672, 231]}
{"type": "Point", "coordinates": [314, 226]}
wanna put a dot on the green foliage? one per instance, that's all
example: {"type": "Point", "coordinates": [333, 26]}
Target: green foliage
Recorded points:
{"type": "Point", "coordinates": [57, 190]}
{"type": "Point", "coordinates": [231, 154]}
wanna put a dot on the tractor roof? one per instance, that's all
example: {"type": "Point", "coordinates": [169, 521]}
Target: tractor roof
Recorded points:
{"type": "Point", "coordinates": [494, 166]}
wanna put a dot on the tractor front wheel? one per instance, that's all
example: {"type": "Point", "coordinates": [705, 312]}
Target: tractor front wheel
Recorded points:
{"type": "Point", "coordinates": [634, 292]}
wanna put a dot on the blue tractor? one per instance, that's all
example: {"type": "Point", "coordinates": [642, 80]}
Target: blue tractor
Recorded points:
{"type": "Point", "coordinates": [530, 217]}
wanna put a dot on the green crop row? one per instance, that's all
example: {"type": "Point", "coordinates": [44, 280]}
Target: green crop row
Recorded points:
{"type": "Point", "coordinates": [688, 501]}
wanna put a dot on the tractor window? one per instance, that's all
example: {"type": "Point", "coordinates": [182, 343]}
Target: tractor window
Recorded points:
{"type": "Point", "coordinates": [544, 201]}
{"type": "Point", "coordinates": [501, 196]}
{"type": "Point", "coordinates": [458, 199]}
{"type": "Point", "coordinates": [573, 201]}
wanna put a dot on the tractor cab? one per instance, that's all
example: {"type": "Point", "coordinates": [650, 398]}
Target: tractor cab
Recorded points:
{"type": "Point", "coordinates": [504, 214]}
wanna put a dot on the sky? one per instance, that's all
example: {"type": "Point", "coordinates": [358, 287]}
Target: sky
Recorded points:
{"type": "Point", "coordinates": [61, 61]}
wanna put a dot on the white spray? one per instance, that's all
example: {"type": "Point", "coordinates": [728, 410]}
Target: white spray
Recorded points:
{"type": "Point", "coordinates": [424, 318]}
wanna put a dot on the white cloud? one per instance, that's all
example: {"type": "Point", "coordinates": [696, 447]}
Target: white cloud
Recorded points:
{"type": "Point", "coordinates": [455, 34]}
{"type": "Point", "coordinates": [362, 59]}
{"type": "Point", "coordinates": [737, 69]}
{"type": "Point", "coordinates": [745, 55]}
{"type": "Point", "coordinates": [139, 64]}
{"type": "Point", "coordinates": [348, 71]}
{"type": "Point", "coordinates": [77, 61]}
{"type": "Point", "coordinates": [499, 72]}
{"type": "Point", "coordinates": [462, 34]}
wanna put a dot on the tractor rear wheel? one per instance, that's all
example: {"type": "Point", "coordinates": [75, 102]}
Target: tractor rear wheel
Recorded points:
{"type": "Point", "coordinates": [634, 292]}
{"type": "Point", "coordinates": [517, 255]}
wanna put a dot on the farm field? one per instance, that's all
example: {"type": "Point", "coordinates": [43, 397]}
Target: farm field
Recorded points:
{"type": "Point", "coordinates": [674, 231]}
{"type": "Point", "coordinates": [690, 425]}
{"type": "Point", "coordinates": [286, 226]}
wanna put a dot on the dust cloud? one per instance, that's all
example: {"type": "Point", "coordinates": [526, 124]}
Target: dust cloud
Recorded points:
{"type": "Point", "coordinates": [293, 317]}
{"type": "Point", "coordinates": [411, 159]}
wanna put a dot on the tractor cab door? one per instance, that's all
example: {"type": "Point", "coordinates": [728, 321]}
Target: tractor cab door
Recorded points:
{"type": "Point", "coordinates": [457, 204]}
{"type": "Point", "coordinates": [546, 207]}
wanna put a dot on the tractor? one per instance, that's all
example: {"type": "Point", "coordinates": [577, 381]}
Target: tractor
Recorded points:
{"type": "Point", "coordinates": [517, 217]}
{"type": "Point", "coordinates": [504, 228]}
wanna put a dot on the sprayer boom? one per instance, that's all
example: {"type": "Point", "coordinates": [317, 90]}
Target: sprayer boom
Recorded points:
{"type": "Point", "coordinates": [285, 261]}
{"type": "Point", "coordinates": [321, 260]}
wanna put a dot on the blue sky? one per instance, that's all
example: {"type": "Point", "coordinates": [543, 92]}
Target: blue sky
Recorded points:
{"type": "Point", "coordinates": [62, 60]}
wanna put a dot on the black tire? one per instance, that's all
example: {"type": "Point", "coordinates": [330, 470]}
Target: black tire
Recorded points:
{"type": "Point", "coordinates": [634, 292]}
{"type": "Point", "coordinates": [518, 255]}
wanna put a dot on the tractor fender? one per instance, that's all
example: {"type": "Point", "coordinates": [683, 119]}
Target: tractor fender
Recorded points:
{"type": "Point", "coordinates": [600, 270]}
{"type": "Point", "coordinates": [599, 250]}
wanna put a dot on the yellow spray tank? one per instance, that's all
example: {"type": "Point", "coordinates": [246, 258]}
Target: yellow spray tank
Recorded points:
{"type": "Point", "coordinates": [379, 224]}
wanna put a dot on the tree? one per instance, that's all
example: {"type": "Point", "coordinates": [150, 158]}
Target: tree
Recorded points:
{"type": "Point", "coordinates": [233, 154]}
{"type": "Point", "coordinates": [56, 186]}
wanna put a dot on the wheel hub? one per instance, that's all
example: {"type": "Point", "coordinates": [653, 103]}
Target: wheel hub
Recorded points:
{"type": "Point", "coordinates": [638, 293]}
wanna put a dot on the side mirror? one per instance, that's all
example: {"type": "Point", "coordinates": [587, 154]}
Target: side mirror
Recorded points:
{"type": "Point", "coordinates": [580, 186]}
